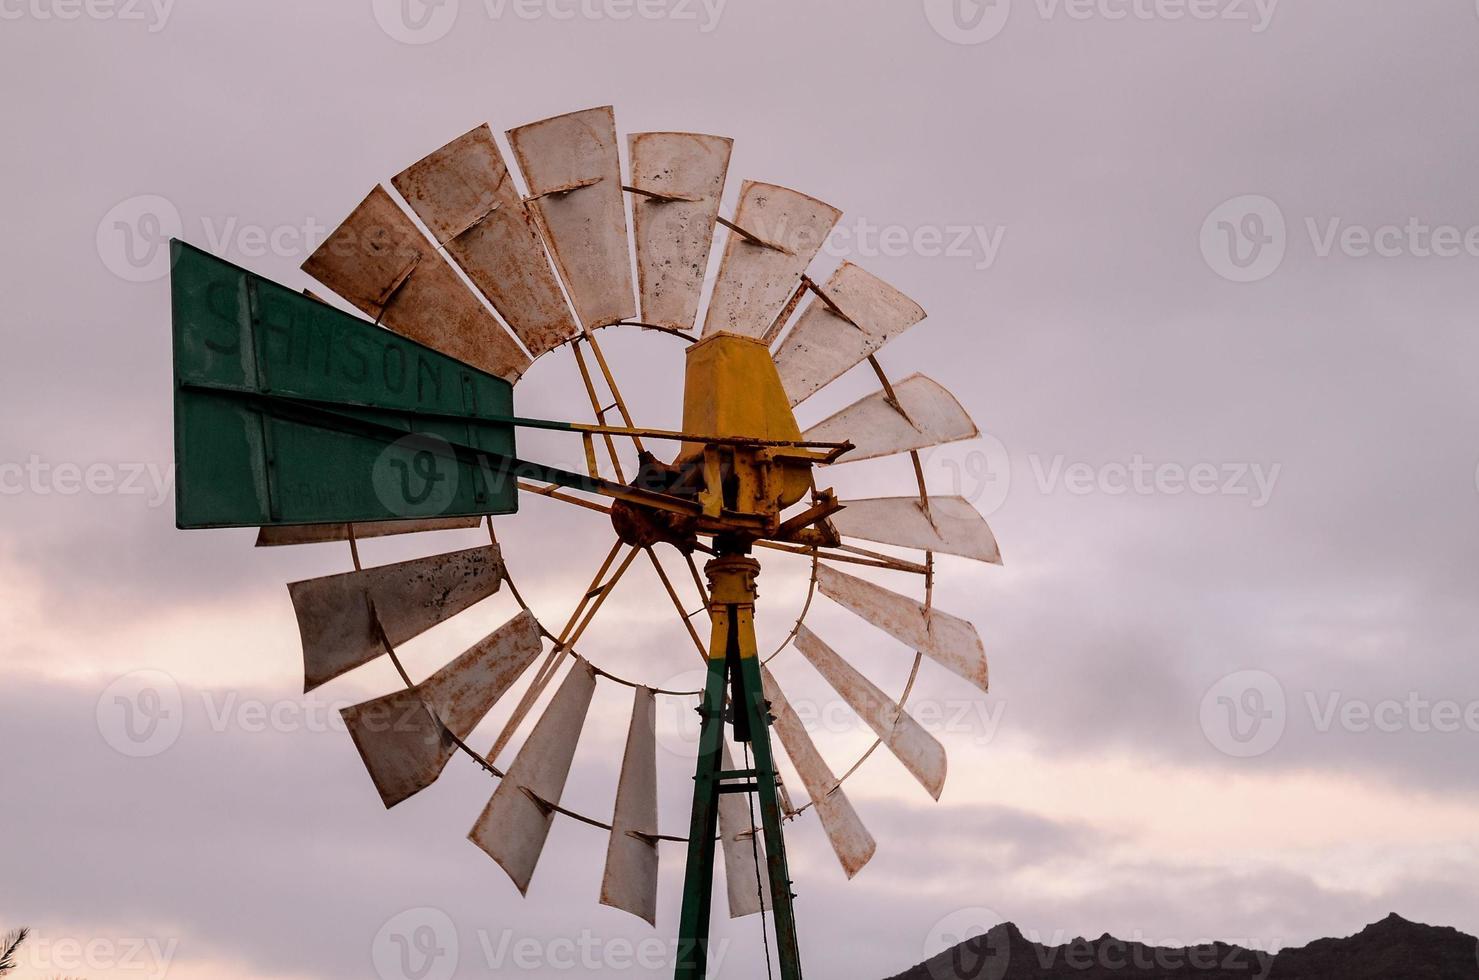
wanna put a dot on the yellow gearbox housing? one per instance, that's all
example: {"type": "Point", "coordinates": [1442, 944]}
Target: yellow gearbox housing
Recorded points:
{"type": "Point", "coordinates": [731, 389]}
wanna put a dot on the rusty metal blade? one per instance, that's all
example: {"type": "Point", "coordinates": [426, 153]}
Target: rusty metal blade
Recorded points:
{"type": "Point", "coordinates": [274, 535]}
{"type": "Point", "coordinates": [747, 885]}
{"type": "Point", "coordinates": [931, 417]}
{"type": "Point", "coordinates": [513, 826]}
{"type": "Point", "coordinates": [851, 841]}
{"type": "Point", "coordinates": [919, 751]}
{"type": "Point", "coordinates": [378, 261]}
{"type": "Point", "coordinates": [948, 640]}
{"type": "Point", "coordinates": [755, 280]}
{"type": "Point", "coordinates": [824, 345]}
{"type": "Point", "coordinates": [334, 612]}
{"type": "Point", "coordinates": [630, 879]}
{"type": "Point", "coordinates": [464, 193]}
{"type": "Point", "coordinates": [950, 525]}
{"type": "Point", "coordinates": [402, 737]}
{"type": "Point", "coordinates": [573, 170]}
{"type": "Point", "coordinates": [673, 237]}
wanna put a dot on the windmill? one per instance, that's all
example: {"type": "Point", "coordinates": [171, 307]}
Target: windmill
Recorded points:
{"type": "Point", "coordinates": [315, 425]}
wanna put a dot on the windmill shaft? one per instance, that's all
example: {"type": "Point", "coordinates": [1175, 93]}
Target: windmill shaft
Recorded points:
{"type": "Point", "coordinates": [734, 667]}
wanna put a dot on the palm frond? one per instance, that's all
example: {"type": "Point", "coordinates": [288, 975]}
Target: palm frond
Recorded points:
{"type": "Point", "coordinates": [9, 943]}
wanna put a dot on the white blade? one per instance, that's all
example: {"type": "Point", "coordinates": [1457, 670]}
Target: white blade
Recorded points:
{"type": "Point", "coordinates": [673, 237]}
{"type": "Point", "coordinates": [512, 828]}
{"type": "Point", "coordinates": [630, 880]}
{"type": "Point", "coordinates": [571, 165]}
{"type": "Point", "coordinates": [850, 839]}
{"type": "Point", "coordinates": [409, 597]}
{"type": "Point", "coordinates": [378, 261]}
{"type": "Point", "coordinates": [823, 345]}
{"type": "Point", "coordinates": [876, 428]}
{"type": "Point", "coordinates": [273, 535]}
{"type": "Point", "coordinates": [919, 751]}
{"type": "Point", "coordinates": [747, 886]}
{"type": "Point", "coordinates": [948, 640]}
{"type": "Point", "coordinates": [465, 195]}
{"type": "Point", "coordinates": [402, 737]}
{"type": "Point", "coordinates": [756, 280]}
{"type": "Point", "coordinates": [951, 525]}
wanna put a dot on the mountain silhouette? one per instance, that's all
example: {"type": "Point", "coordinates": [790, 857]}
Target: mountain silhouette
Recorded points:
{"type": "Point", "coordinates": [1392, 949]}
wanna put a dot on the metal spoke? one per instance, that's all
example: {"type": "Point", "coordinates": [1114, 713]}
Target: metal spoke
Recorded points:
{"type": "Point", "coordinates": [597, 591]}
{"type": "Point", "coordinates": [703, 652]}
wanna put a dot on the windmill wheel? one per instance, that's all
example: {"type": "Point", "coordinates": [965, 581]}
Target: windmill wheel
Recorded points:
{"type": "Point", "coordinates": [739, 477]}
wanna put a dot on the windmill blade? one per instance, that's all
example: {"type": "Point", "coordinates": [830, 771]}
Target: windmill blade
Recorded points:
{"type": "Point", "coordinates": [675, 231]}
{"type": "Point", "coordinates": [950, 525]}
{"type": "Point", "coordinates": [513, 827]}
{"type": "Point", "coordinates": [825, 344]}
{"type": "Point", "coordinates": [747, 888]}
{"type": "Point", "coordinates": [402, 737]}
{"type": "Point", "coordinates": [851, 841]}
{"type": "Point", "coordinates": [573, 170]}
{"type": "Point", "coordinates": [466, 196]}
{"type": "Point", "coordinates": [378, 261]}
{"type": "Point", "coordinates": [919, 751]}
{"type": "Point", "coordinates": [337, 613]}
{"type": "Point", "coordinates": [757, 278]}
{"type": "Point", "coordinates": [948, 640]}
{"type": "Point", "coordinates": [930, 416]}
{"type": "Point", "coordinates": [629, 882]}
{"type": "Point", "coordinates": [276, 535]}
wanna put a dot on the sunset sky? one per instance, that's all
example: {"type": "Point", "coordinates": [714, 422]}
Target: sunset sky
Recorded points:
{"type": "Point", "coordinates": [1204, 274]}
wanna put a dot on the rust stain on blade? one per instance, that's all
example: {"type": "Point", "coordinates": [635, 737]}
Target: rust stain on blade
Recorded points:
{"type": "Point", "coordinates": [402, 737]}
{"type": "Point", "coordinates": [756, 280]}
{"type": "Point", "coordinates": [951, 526]}
{"type": "Point", "coordinates": [378, 261]}
{"type": "Point", "coordinates": [673, 237]}
{"type": "Point", "coordinates": [931, 417]}
{"type": "Point", "coordinates": [409, 597]}
{"type": "Point", "coordinates": [919, 751]}
{"type": "Point", "coordinates": [629, 882]}
{"type": "Point", "coordinates": [748, 891]}
{"type": "Point", "coordinates": [513, 827]}
{"type": "Point", "coordinates": [573, 172]}
{"type": "Point", "coordinates": [823, 345]}
{"type": "Point", "coordinates": [851, 841]}
{"type": "Point", "coordinates": [948, 640]}
{"type": "Point", "coordinates": [464, 193]}
{"type": "Point", "coordinates": [274, 535]}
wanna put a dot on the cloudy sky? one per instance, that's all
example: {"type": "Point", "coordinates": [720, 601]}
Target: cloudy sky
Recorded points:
{"type": "Point", "coordinates": [1203, 272]}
